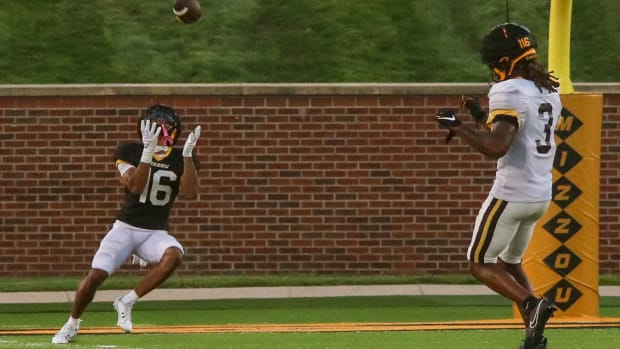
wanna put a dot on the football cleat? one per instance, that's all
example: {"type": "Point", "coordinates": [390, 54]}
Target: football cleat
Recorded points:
{"type": "Point", "coordinates": [538, 314]}
{"type": "Point", "coordinates": [124, 315]}
{"type": "Point", "coordinates": [540, 345]}
{"type": "Point", "coordinates": [66, 333]}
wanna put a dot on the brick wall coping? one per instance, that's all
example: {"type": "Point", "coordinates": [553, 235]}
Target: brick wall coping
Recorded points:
{"type": "Point", "coordinates": [249, 89]}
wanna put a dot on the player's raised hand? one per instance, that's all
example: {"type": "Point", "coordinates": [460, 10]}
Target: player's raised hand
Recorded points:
{"type": "Point", "coordinates": [150, 132]}
{"type": "Point", "coordinates": [447, 119]}
{"type": "Point", "coordinates": [190, 143]}
{"type": "Point", "coordinates": [475, 109]}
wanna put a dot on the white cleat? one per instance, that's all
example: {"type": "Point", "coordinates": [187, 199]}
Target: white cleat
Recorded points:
{"type": "Point", "coordinates": [124, 315]}
{"type": "Point", "coordinates": [66, 333]}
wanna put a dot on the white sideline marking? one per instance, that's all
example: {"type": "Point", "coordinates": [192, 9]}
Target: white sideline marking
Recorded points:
{"type": "Point", "coordinates": [254, 293]}
{"type": "Point", "coordinates": [163, 294]}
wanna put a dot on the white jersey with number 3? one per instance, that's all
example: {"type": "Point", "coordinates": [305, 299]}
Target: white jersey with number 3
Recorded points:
{"type": "Point", "coordinates": [524, 172]}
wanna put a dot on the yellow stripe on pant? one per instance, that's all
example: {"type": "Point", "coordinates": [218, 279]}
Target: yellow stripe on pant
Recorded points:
{"type": "Point", "coordinates": [562, 259]}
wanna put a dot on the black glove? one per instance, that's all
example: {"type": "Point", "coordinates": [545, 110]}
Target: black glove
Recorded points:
{"type": "Point", "coordinates": [475, 109]}
{"type": "Point", "coordinates": [447, 118]}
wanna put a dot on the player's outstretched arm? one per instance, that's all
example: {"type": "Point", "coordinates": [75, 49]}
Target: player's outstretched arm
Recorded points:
{"type": "Point", "coordinates": [189, 180]}
{"type": "Point", "coordinates": [136, 178]}
{"type": "Point", "coordinates": [494, 143]}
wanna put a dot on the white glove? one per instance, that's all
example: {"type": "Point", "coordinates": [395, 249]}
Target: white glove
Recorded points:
{"type": "Point", "coordinates": [190, 143]}
{"type": "Point", "coordinates": [150, 133]}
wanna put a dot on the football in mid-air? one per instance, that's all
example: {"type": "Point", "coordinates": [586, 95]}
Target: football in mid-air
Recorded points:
{"type": "Point", "coordinates": [187, 11]}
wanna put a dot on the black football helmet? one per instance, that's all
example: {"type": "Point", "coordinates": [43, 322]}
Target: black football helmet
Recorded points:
{"type": "Point", "coordinates": [167, 118]}
{"type": "Point", "coordinates": [506, 45]}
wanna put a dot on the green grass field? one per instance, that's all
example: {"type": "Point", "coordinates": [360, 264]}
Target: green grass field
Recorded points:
{"type": "Point", "coordinates": [136, 41]}
{"type": "Point", "coordinates": [500, 339]}
{"type": "Point", "coordinates": [302, 311]}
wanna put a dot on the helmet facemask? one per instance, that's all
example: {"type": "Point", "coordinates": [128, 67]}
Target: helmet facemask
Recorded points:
{"type": "Point", "coordinates": [167, 119]}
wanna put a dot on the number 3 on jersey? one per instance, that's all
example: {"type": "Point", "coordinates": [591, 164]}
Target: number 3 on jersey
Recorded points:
{"type": "Point", "coordinates": [158, 193]}
{"type": "Point", "coordinates": [545, 108]}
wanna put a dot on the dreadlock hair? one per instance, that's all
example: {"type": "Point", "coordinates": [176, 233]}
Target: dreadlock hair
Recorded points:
{"type": "Point", "coordinates": [535, 72]}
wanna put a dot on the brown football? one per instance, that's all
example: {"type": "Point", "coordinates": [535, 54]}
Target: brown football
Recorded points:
{"type": "Point", "coordinates": [187, 11]}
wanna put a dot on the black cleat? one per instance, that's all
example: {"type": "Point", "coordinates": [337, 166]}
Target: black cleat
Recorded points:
{"type": "Point", "coordinates": [538, 314]}
{"type": "Point", "coordinates": [540, 345]}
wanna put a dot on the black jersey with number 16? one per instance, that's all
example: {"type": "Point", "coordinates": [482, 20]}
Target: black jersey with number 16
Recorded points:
{"type": "Point", "coordinates": [150, 209]}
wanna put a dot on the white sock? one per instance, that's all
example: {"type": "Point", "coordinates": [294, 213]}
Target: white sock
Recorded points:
{"type": "Point", "coordinates": [73, 321]}
{"type": "Point", "coordinates": [130, 298]}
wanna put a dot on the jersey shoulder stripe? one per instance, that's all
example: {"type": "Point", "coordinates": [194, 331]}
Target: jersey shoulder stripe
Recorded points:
{"type": "Point", "coordinates": [510, 113]}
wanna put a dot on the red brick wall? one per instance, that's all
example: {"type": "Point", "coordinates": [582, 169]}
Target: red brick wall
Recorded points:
{"type": "Point", "coordinates": [328, 179]}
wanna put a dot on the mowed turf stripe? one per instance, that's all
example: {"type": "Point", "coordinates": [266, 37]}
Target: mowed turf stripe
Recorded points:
{"type": "Point", "coordinates": [333, 327]}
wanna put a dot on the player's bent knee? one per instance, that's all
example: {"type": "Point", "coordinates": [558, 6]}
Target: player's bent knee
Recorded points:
{"type": "Point", "coordinates": [172, 257]}
{"type": "Point", "coordinates": [475, 268]}
{"type": "Point", "coordinates": [472, 267]}
{"type": "Point", "coordinates": [97, 275]}
{"type": "Point", "coordinates": [94, 279]}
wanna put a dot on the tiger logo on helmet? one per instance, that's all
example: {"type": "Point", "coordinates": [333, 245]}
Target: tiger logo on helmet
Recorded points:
{"type": "Point", "coordinates": [167, 118]}
{"type": "Point", "coordinates": [506, 45]}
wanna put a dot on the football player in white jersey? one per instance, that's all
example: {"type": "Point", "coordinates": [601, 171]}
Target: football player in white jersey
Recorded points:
{"type": "Point", "coordinates": [153, 173]}
{"type": "Point", "coordinates": [524, 108]}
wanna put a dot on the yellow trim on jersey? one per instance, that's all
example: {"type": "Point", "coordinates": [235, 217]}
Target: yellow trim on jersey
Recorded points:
{"type": "Point", "coordinates": [507, 112]}
{"type": "Point", "coordinates": [119, 161]}
{"type": "Point", "coordinates": [162, 156]}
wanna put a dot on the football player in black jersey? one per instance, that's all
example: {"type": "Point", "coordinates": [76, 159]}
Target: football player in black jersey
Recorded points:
{"type": "Point", "coordinates": [153, 173]}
